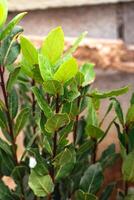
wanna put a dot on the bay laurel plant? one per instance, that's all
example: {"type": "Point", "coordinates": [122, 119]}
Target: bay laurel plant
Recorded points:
{"type": "Point", "coordinates": [125, 130]}
{"type": "Point", "coordinates": [48, 98]}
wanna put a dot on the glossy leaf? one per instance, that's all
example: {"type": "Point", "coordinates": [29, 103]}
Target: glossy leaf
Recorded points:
{"type": "Point", "coordinates": [12, 79]}
{"type": "Point", "coordinates": [53, 45]}
{"type": "Point", "coordinates": [64, 163]}
{"type": "Point", "coordinates": [41, 185]}
{"type": "Point", "coordinates": [89, 74]}
{"type": "Point", "coordinates": [45, 67]}
{"type": "Point", "coordinates": [66, 71]}
{"type": "Point", "coordinates": [29, 51]}
{"type": "Point", "coordinates": [92, 179]}
{"type": "Point", "coordinates": [42, 102]}
{"type": "Point", "coordinates": [13, 103]}
{"type": "Point", "coordinates": [21, 120]}
{"type": "Point", "coordinates": [53, 87]}
{"type": "Point", "coordinates": [7, 30]}
{"type": "Point", "coordinates": [57, 121]}
{"type": "Point", "coordinates": [3, 11]}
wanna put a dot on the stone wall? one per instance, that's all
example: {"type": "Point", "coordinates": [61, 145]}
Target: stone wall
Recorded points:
{"type": "Point", "coordinates": [43, 4]}
{"type": "Point", "coordinates": [107, 21]}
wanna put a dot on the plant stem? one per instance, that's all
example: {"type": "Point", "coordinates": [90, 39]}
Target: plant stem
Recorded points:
{"type": "Point", "coordinates": [94, 151]}
{"type": "Point", "coordinates": [126, 185]}
{"type": "Point", "coordinates": [76, 123]}
{"type": "Point", "coordinates": [33, 107]}
{"type": "Point", "coordinates": [10, 122]}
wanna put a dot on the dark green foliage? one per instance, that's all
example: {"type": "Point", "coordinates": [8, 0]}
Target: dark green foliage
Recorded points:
{"type": "Point", "coordinates": [46, 97]}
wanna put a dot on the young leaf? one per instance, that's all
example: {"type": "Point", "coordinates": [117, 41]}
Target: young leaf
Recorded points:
{"type": "Point", "coordinates": [103, 95]}
{"type": "Point", "coordinates": [89, 74]}
{"type": "Point", "coordinates": [92, 179]}
{"type": "Point", "coordinates": [53, 45]}
{"type": "Point", "coordinates": [21, 121]}
{"type": "Point", "coordinates": [7, 30]}
{"type": "Point", "coordinates": [45, 67]}
{"type": "Point", "coordinates": [12, 79]}
{"type": "Point", "coordinates": [118, 110]}
{"type": "Point", "coordinates": [53, 87]}
{"type": "Point", "coordinates": [29, 51]}
{"type": "Point", "coordinates": [67, 70]}
{"type": "Point", "coordinates": [80, 195]}
{"type": "Point", "coordinates": [127, 168]}
{"type": "Point", "coordinates": [42, 102]}
{"type": "Point", "coordinates": [3, 11]}
{"type": "Point", "coordinates": [13, 103]}
{"type": "Point", "coordinates": [41, 185]}
{"type": "Point", "coordinates": [76, 44]}
{"type": "Point", "coordinates": [57, 121]}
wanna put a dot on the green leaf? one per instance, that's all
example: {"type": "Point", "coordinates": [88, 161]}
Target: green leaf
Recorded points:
{"type": "Point", "coordinates": [76, 44]}
{"type": "Point", "coordinates": [89, 74]}
{"type": "Point", "coordinates": [10, 47]}
{"type": "Point", "coordinates": [53, 87]}
{"type": "Point", "coordinates": [3, 122]}
{"type": "Point", "coordinates": [3, 11]}
{"type": "Point", "coordinates": [79, 78]}
{"type": "Point", "coordinates": [5, 147]}
{"type": "Point", "coordinates": [129, 197]}
{"type": "Point", "coordinates": [118, 110]}
{"type": "Point", "coordinates": [12, 79]}
{"type": "Point", "coordinates": [94, 132]}
{"type": "Point", "coordinates": [92, 114]}
{"type": "Point", "coordinates": [108, 156]}
{"type": "Point", "coordinates": [42, 102]}
{"type": "Point", "coordinates": [53, 45]}
{"type": "Point", "coordinates": [7, 163]}
{"type": "Point", "coordinates": [46, 145]}
{"type": "Point", "coordinates": [13, 103]}
{"type": "Point", "coordinates": [57, 121]}
{"type": "Point", "coordinates": [64, 163]}
{"type": "Point", "coordinates": [92, 179]}
{"type": "Point", "coordinates": [67, 70]}
{"type": "Point", "coordinates": [106, 194]}
{"type": "Point", "coordinates": [7, 30]}
{"type": "Point", "coordinates": [21, 120]}
{"type": "Point", "coordinates": [29, 51]}
{"type": "Point", "coordinates": [103, 95]}
{"type": "Point", "coordinates": [132, 99]}
{"type": "Point", "coordinates": [130, 116]}
{"type": "Point", "coordinates": [128, 167]}
{"type": "Point", "coordinates": [80, 195]}
{"type": "Point", "coordinates": [45, 67]}
{"type": "Point", "coordinates": [41, 185]}
{"type": "Point", "coordinates": [5, 193]}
